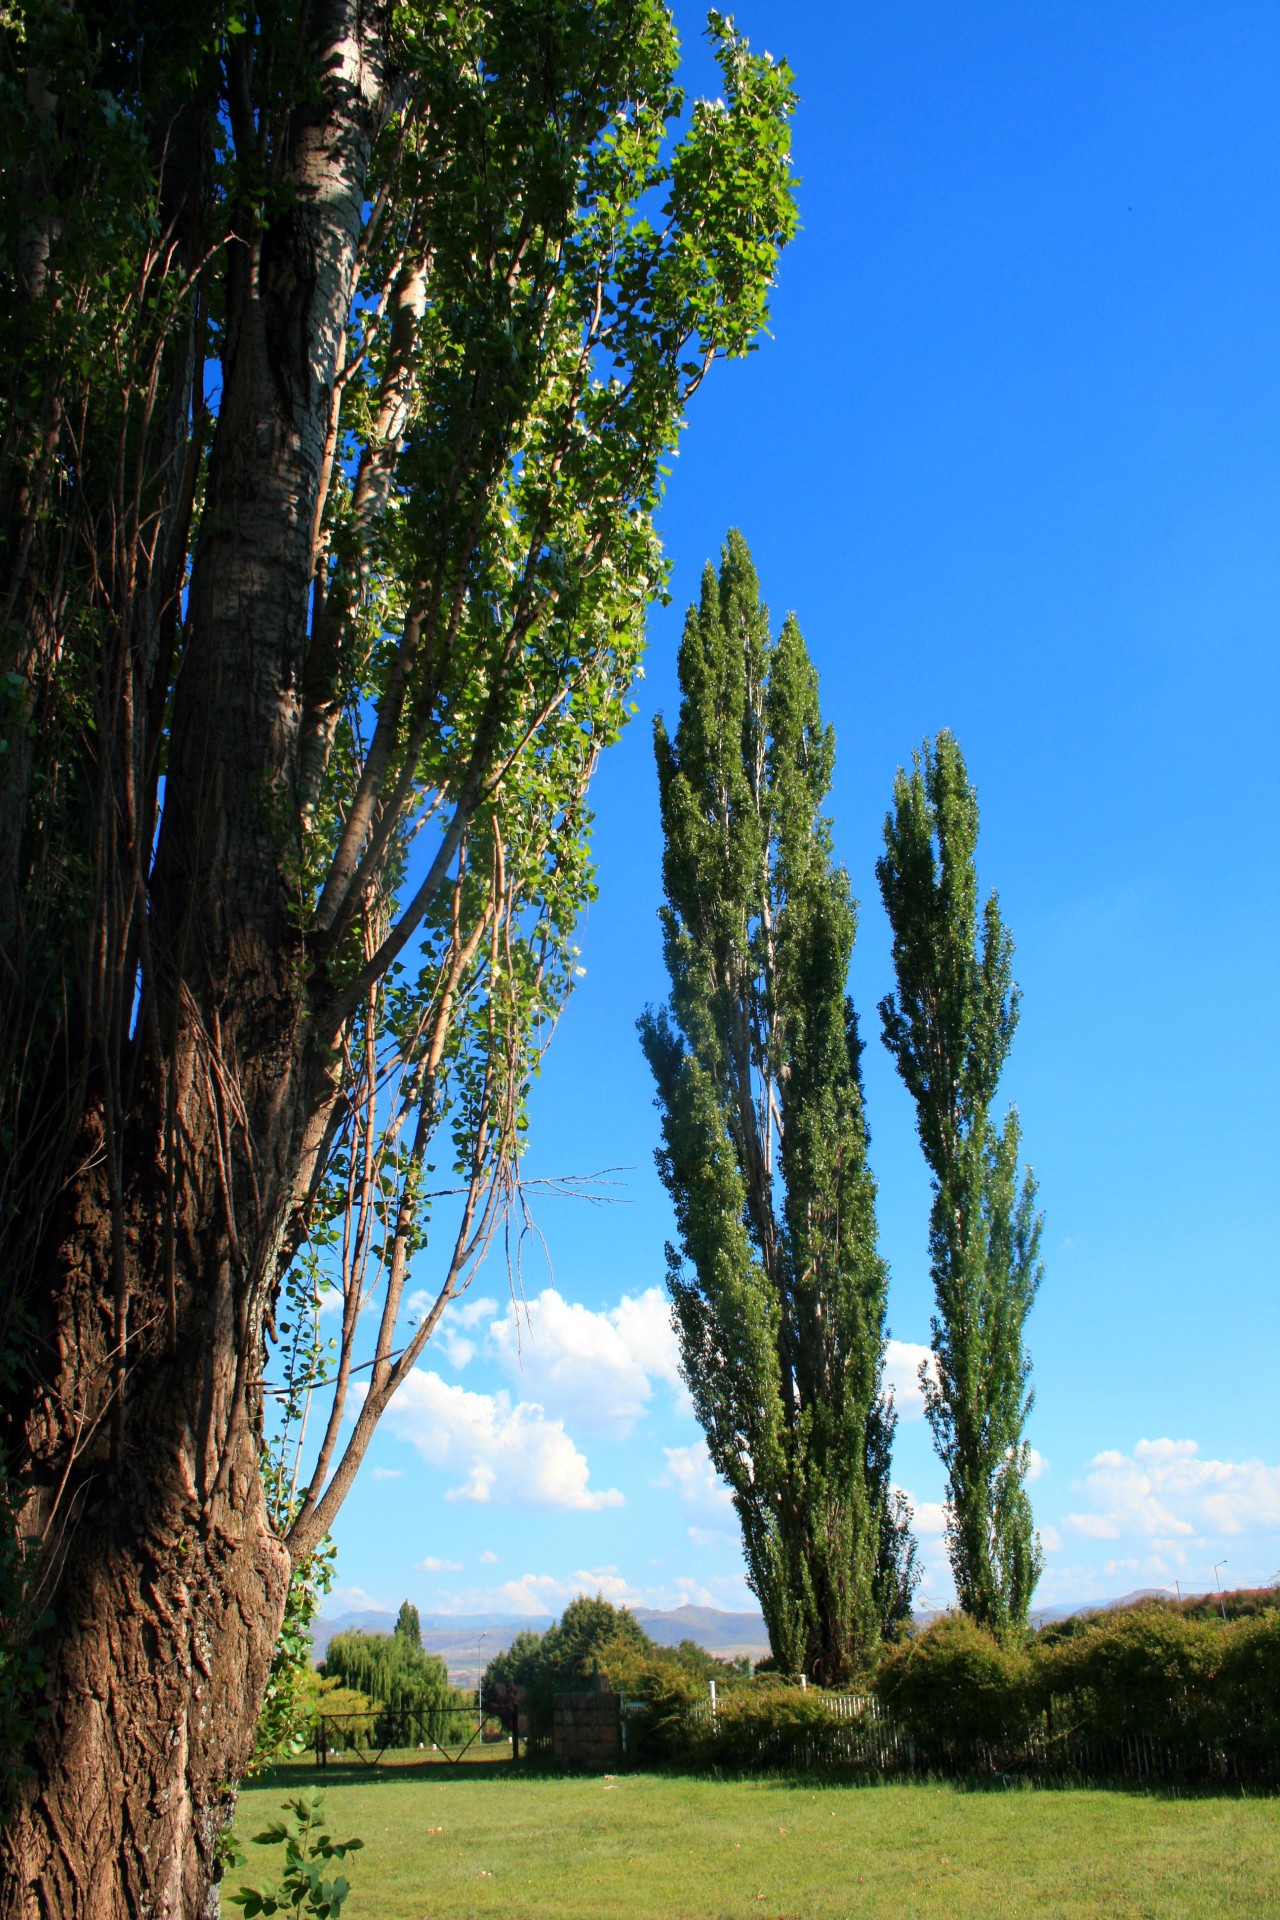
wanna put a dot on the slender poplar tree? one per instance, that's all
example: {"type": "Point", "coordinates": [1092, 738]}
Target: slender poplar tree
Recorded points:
{"type": "Point", "coordinates": [778, 1290]}
{"type": "Point", "coordinates": [949, 1028]}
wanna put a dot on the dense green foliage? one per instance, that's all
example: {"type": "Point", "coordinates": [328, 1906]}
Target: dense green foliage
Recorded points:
{"type": "Point", "coordinates": [394, 1672]}
{"type": "Point", "coordinates": [956, 1697]}
{"type": "Point", "coordinates": [408, 1625]}
{"type": "Point", "coordinates": [1197, 1688]}
{"type": "Point", "coordinates": [778, 1288]}
{"type": "Point", "coordinates": [594, 1643]}
{"type": "Point", "coordinates": [957, 1685]}
{"type": "Point", "coordinates": [949, 1028]}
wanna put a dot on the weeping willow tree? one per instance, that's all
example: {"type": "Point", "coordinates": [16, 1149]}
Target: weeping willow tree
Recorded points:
{"type": "Point", "coordinates": [778, 1289]}
{"type": "Point", "coordinates": [340, 347]}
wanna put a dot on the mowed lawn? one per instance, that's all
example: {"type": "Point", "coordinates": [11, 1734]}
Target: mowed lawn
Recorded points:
{"type": "Point", "coordinates": [482, 1841]}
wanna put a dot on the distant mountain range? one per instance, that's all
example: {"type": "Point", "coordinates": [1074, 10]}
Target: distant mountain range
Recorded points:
{"type": "Point", "coordinates": [466, 1643]}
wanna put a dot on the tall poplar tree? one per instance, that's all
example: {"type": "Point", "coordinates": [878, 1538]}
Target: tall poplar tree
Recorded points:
{"type": "Point", "coordinates": [949, 1028]}
{"type": "Point", "coordinates": [778, 1290]}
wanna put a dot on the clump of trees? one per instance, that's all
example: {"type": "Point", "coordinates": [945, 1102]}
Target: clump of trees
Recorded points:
{"type": "Point", "coordinates": [395, 1674]}
{"type": "Point", "coordinates": [341, 346]}
{"type": "Point", "coordinates": [777, 1284]}
{"type": "Point", "coordinates": [594, 1641]}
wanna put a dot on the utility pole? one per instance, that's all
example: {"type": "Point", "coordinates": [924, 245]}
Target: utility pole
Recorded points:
{"type": "Point", "coordinates": [1218, 1584]}
{"type": "Point", "coordinates": [480, 1677]}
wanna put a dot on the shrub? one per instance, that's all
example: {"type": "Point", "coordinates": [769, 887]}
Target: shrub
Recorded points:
{"type": "Point", "coordinates": [956, 1685]}
{"type": "Point", "coordinates": [1145, 1671]}
{"type": "Point", "coordinates": [667, 1729]}
{"type": "Point", "coordinates": [775, 1727]}
{"type": "Point", "coordinates": [354, 1714]}
{"type": "Point", "coordinates": [1247, 1685]}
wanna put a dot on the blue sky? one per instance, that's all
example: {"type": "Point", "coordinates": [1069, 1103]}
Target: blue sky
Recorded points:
{"type": "Point", "coordinates": [1013, 458]}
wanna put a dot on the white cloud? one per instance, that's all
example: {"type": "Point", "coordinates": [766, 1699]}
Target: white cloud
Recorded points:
{"type": "Point", "coordinates": [458, 1317]}
{"type": "Point", "coordinates": [712, 1537]}
{"type": "Point", "coordinates": [930, 1519]}
{"type": "Point", "coordinates": [903, 1360]}
{"type": "Point", "coordinates": [469, 1313]}
{"type": "Point", "coordinates": [488, 1558]}
{"type": "Point", "coordinates": [690, 1472]}
{"type": "Point", "coordinates": [1164, 1492]}
{"type": "Point", "coordinates": [353, 1600]}
{"type": "Point", "coordinates": [432, 1565]}
{"type": "Point", "coordinates": [596, 1369]}
{"type": "Point", "coordinates": [503, 1453]}
{"type": "Point", "coordinates": [545, 1593]}
{"type": "Point", "coordinates": [1036, 1464]}
{"type": "Point", "coordinates": [387, 1473]}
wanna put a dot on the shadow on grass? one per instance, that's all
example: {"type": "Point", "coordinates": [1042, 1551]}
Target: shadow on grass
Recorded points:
{"type": "Point", "coordinates": [499, 1771]}
{"type": "Point", "coordinates": [358, 1773]}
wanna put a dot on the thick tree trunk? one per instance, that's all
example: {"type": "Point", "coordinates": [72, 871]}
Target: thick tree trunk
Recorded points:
{"type": "Point", "coordinates": [164, 1583]}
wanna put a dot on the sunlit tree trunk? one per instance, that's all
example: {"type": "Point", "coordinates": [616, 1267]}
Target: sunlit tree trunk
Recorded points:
{"type": "Point", "coordinates": [167, 1590]}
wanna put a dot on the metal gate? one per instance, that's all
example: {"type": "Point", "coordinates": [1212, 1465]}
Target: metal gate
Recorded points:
{"type": "Point", "coordinates": [385, 1736]}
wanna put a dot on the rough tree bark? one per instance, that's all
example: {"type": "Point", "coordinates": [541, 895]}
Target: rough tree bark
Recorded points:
{"type": "Point", "coordinates": [170, 1585]}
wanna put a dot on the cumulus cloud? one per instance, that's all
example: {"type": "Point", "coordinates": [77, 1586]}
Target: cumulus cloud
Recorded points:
{"type": "Point", "coordinates": [903, 1360]}
{"type": "Point", "coordinates": [501, 1453]}
{"type": "Point", "coordinates": [1036, 1464]}
{"type": "Point", "coordinates": [928, 1518]}
{"type": "Point", "coordinates": [1164, 1492]}
{"type": "Point", "coordinates": [460, 1317]}
{"type": "Point", "coordinates": [540, 1594]}
{"type": "Point", "coordinates": [595, 1369]}
{"type": "Point", "coordinates": [548, 1593]}
{"type": "Point", "coordinates": [690, 1472]}
{"type": "Point", "coordinates": [432, 1565]}
{"type": "Point", "coordinates": [353, 1600]}
{"type": "Point", "coordinates": [488, 1558]}
{"type": "Point", "coordinates": [712, 1537]}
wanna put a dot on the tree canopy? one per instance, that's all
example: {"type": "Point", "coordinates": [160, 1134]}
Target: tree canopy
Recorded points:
{"type": "Point", "coordinates": [778, 1287]}
{"type": "Point", "coordinates": [340, 350]}
{"type": "Point", "coordinates": [949, 1028]}
{"type": "Point", "coordinates": [394, 1673]}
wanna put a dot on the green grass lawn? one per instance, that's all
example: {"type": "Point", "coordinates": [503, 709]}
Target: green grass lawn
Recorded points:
{"type": "Point", "coordinates": [495, 1841]}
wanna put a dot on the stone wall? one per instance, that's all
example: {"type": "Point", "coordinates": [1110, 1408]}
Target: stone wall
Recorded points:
{"type": "Point", "coordinates": [586, 1730]}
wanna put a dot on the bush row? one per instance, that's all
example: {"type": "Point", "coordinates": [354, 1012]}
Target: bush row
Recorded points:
{"type": "Point", "coordinates": [1194, 1695]}
{"type": "Point", "coordinates": [1147, 1672]}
